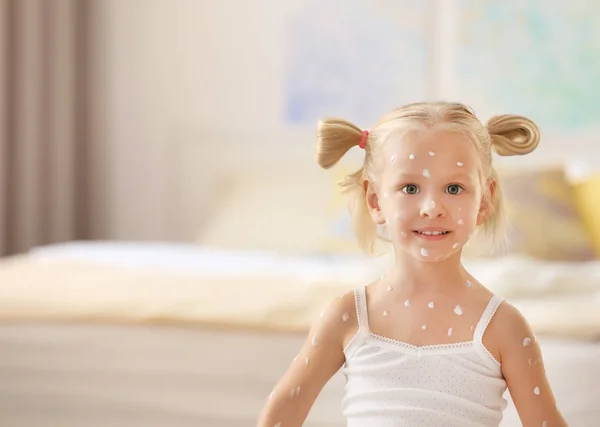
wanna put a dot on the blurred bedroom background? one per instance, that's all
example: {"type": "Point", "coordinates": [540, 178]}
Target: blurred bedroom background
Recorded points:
{"type": "Point", "coordinates": [167, 237]}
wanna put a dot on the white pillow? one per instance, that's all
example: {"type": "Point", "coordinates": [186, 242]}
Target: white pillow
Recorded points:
{"type": "Point", "coordinates": [284, 211]}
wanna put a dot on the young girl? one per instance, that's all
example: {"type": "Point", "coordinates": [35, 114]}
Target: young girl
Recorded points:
{"type": "Point", "coordinates": [427, 344]}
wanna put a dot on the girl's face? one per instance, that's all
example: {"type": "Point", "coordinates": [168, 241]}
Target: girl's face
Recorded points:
{"type": "Point", "coordinates": [429, 194]}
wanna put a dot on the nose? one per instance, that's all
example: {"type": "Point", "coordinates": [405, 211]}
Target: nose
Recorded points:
{"type": "Point", "coordinates": [432, 209]}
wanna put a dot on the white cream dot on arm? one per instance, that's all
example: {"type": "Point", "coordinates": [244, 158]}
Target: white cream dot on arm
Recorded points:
{"type": "Point", "coordinates": [322, 354]}
{"type": "Point", "coordinates": [523, 369]}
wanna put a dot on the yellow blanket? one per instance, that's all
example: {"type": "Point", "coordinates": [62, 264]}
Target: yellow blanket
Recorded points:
{"type": "Point", "coordinates": [33, 290]}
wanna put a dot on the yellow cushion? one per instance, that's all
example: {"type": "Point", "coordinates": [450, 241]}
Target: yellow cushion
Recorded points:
{"type": "Point", "coordinates": [544, 221]}
{"type": "Point", "coordinates": [587, 197]}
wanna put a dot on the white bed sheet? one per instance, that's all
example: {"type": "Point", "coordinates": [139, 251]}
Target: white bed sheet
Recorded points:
{"type": "Point", "coordinates": [513, 277]}
{"type": "Point", "coordinates": [130, 376]}
{"type": "Point", "coordinates": [181, 258]}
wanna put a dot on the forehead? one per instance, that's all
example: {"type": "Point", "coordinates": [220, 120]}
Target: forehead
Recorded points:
{"type": "Point", "coordinates": [442, 151]}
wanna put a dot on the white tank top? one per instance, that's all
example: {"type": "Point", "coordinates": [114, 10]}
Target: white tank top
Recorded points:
{"type": "Point", "coordinates": [392, 383]}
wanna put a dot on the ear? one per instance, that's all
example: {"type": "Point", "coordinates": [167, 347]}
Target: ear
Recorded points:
{"type": "Point", "coordinates": [373, 202]}
{"type": "Point", "coordinates": [486, 205]}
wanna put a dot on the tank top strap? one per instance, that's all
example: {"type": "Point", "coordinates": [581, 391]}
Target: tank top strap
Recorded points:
{"type": "Point", "coordinates": [481, 327]}
{"type": "Point", "coordinates": [362, 332]}
{"type": "Point", "coordinates": [360, 300]}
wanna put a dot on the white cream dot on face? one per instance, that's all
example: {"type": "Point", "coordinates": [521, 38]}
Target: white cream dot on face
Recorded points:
{"type": "Point", "coordinates": [469, 284]}
{"type": "Point", "coordinates": [314, 342]}
{"type": "Point", "coordinates": [306, 361]}
{"type": "Point", "coordinates": [460, 164]}
{"type": "Point", "coordinates": [536, 391]}
{"type": "Point", "coordinates": [535, 362]}
{"type": "Point", "coordinates": [389, 288]}
{"type": "Point", "coordinates": [526, 341]}
{"type": "Point", "coordinates": [385, 312]}
{"type": "Point", "coordinates": [407, 303]}
{"type": "Point", "coordinates": [426, 173]}
{"type": "Point", "coordinates": [544, 423]}
{"type": "Point", "coordinates": [424, 252]}
{"type": "Point", "coordinates": [455, 245]}
{"type": "Point", "coordinates": [450, 332]}
{"type": "Point", "coordinates": [472, 327]}
{"type": "Point", "coordinates": [423, 327]}
{"type": "Point", "coordinates": [345, 317]}
{"type": "Point", "coordinates": [460, 221]}
{"type": "Point", "coordinates": [431, 304]}
{"type": "Point", "coordinates": [393, 159]}
{"type": "Point", "coordinates": [432, 204]}
{"type": "Point", "coordinates": [431, 153]}
{"type": "Point", "coordinates": [458, 310]}
{"type": "Point", "coordinates": [403, 234]}
{"type": "Point", "coordinates": [411, 156]}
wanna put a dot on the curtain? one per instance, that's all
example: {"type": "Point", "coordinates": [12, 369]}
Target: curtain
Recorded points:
{"type": "Point", "coordinates": [44, 123]}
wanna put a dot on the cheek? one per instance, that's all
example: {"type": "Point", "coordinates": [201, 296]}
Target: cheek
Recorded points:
{"type": "Point", "coordinates": [396, 208]}
{"type": "Point", "coordinates": [464, 210]}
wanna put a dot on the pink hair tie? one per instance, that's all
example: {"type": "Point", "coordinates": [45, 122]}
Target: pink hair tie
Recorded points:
{"type": "Point", "coordinates": [363, 139]}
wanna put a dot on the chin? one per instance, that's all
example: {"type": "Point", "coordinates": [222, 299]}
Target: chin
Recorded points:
{"type": "Point", "coordinates": [432, 256]}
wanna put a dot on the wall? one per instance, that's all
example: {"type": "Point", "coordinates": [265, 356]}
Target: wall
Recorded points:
{"type": "Point", "coordinates": [207, 73]}
{"type": "Point", "coordinates": [171, 68]}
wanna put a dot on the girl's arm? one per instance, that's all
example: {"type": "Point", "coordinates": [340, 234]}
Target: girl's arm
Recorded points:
{"type": "Point", "coordinates": [320, 357]}
{"type": "Point", "coordinates": [523, 369]}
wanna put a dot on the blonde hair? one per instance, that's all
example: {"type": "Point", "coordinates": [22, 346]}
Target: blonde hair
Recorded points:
{"type": "Point", "coordinates": [507, 135]}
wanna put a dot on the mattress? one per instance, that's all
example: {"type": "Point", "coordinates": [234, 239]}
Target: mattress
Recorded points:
{"type": "Point", "coordinates": [125, 283]}
{"type": "Point", "coordinates": [77, 375]}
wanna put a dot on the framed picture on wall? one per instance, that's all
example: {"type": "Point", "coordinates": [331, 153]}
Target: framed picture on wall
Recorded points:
{"type": "Point", "coordinates": [354, 60]}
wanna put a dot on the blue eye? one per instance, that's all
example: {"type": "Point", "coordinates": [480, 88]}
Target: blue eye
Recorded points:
{"type": "Point", "coordinates": [410, 189]}
{"type": "Point", "coordinates": [454, 189]}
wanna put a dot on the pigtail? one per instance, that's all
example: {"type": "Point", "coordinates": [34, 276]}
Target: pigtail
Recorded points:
{"type": "Point", "coordinates": [513, 135]}
{"type": "Point", "coordinates": [334, 138]}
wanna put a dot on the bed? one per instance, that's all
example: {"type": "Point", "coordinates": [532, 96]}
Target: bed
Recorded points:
{"type": "Point", "coordinates": [150, 334]}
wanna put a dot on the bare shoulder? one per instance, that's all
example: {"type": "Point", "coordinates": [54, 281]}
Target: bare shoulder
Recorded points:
{"type": "Point", "coordinates": [507, 330]}
{"type": "Point", "coordinates": [337, 321]}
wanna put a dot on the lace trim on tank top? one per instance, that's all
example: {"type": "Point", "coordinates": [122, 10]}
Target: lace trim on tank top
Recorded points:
{"type": "Point", "coordinates": [363, 334]}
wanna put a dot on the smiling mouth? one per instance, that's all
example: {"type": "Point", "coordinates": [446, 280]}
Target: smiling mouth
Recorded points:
{"type": "Point", "coordinates": [431, 233]}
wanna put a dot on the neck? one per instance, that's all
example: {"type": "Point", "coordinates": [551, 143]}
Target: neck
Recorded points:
{"type": "Point", "coordinates": [419, 276]}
